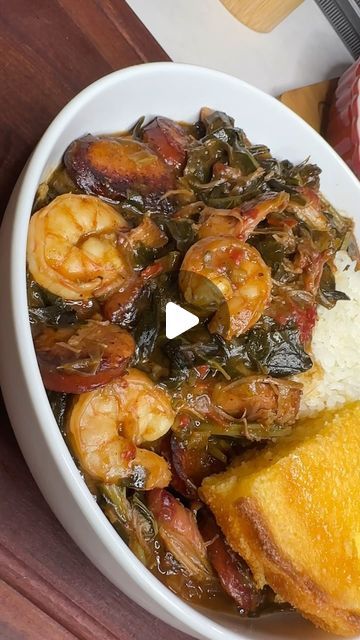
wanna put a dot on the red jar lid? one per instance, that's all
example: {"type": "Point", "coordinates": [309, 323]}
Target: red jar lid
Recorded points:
{"type": "Point", "coordinates": [343, 132]}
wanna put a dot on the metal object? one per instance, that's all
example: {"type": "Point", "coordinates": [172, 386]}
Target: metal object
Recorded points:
{"type": "Point", "coordinates": [344, 16]}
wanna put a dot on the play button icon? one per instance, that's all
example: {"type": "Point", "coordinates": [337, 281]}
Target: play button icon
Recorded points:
{"type": "Point", "coordinates": [178, 320]}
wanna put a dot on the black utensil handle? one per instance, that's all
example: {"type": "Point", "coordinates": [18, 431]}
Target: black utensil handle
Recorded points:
{"type": "Point", "coordinates": [344, 16]}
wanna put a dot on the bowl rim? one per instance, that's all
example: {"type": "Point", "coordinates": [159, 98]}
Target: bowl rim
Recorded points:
{"type": "Point", "coordinates": [59, 451]}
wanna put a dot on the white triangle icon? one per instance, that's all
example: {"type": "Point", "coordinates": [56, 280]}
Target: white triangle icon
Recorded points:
{"type": "Point", "coordinates": [178, 320]}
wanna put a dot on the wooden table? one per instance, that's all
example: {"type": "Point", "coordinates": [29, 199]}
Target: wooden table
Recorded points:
{"type": "Point", "coordinates": [50, 50]}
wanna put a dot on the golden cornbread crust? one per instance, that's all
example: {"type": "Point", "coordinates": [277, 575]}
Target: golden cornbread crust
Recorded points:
{"type": "Point", "coordinates": [258, 547]}
{"type": "Point", "coordinates": [291, 510]}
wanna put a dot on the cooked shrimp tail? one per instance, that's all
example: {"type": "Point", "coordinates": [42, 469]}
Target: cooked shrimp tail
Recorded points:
{"type": "Point", "coordinates": [107, 426]}
{"type": "Point", "coordinates": [73, 249]}
{"type": "Point", "coordinates": [240, 277]}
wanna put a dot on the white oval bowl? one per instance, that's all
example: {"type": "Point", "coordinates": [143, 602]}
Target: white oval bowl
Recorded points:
{"type": "Point", "coordinates": [112, 104]}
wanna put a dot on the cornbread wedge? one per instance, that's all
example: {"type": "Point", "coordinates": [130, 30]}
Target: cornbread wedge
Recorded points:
{"type": "Point", "coordinates": [293, 512]}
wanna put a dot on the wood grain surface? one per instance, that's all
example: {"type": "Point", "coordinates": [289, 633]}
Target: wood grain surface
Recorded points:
{"type": "Point", "coordinates": [261, 15]}
{"type": "Point", "coordinates": [312, 103]}
{"type": "Point", "coordinates": [50, 50]}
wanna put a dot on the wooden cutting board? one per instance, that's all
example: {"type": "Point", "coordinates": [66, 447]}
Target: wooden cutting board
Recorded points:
{"type": "Point", "coordinates": [261, 15]}
{"type": "Point", "coordinates": [312, 102]}
{"type": "Point", "coordinates": [50, 50]}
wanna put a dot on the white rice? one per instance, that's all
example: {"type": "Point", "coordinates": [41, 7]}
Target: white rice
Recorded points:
{"type": "Point", "coordinates": [335, 377]}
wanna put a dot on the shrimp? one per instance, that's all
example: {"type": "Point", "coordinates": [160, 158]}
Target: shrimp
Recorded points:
{"type": "Point", "coordinates": [241, 221]}
{"type": "Point", "coordinates": [73, 248]}
{"type": "Point", "coordinates": [260, 399]}
{"type": "Point", "coordinates": [107, 426]}
{"type": "Point", "coordinates": [240, 277]}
